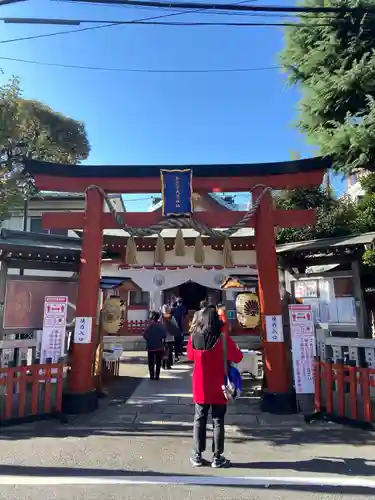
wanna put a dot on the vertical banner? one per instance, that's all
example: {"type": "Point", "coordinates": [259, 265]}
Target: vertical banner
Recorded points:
{"type": "Point", "coordinates": [177, 192]}
{"type": "Point", "coordinates": [302, 331]}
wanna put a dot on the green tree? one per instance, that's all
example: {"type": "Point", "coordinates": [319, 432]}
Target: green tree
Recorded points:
{"type": "Point", "coordinates": [32, 129]}
{"type": "Point", "coordinates": [334, 217]}
{"type": "Point", "coordinates": [331, 57]}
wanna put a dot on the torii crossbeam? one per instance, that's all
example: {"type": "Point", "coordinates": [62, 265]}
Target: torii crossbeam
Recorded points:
{"type": "Point", "coordinates": [278, 397]}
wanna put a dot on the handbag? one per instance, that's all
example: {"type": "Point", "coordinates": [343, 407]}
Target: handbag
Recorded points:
{"type": "Point", "coordinates": [232, 378]}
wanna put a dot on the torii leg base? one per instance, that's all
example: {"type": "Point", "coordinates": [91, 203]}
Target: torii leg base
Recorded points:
{"type": "Point", "coordinates": [279, 403]}
{"type": "Point", "coordinates": [78, 403]}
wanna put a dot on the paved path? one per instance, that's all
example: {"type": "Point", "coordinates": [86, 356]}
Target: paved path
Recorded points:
{"type": "Point", "coordinates": [139, 450]}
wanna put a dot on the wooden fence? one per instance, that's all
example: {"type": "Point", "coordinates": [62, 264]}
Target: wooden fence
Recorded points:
{"type": "Point", "coordinates": [343, 393]}
{"type": "Point", "coordinates": [30, 392]}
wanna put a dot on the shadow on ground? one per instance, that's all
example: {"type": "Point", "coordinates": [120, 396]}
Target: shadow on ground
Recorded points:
{"type": "Point", "coordinates": [69, 472]}
{"type": "Point", "coordinates": [275, 437]}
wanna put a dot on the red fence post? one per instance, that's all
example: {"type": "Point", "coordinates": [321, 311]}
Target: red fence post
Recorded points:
{"type": "Point", "coordinates": [47, 388]}
{"type": "Point", "coordinates": [9, 393]}
{"type": "Point", "coordinates": [353, 392]}
{"type": "Point", "coordinates": [364, 375]}
{"type": "Point", "coordinates": [22, 381]}
{"type": "Point", "coordinates": [328, 375]}
{"type": "Point", "coordinates": [339, 367]}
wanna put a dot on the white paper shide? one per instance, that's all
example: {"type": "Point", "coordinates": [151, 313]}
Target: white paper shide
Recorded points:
{"type": "Point", "coordinates": [302, 331]}
{"type": "Point", "coordinates": [82, 330]}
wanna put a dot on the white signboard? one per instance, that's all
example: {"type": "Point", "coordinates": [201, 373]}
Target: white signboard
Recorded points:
{"type": "Point", "coordinates": [303, 347]}
{"type": "Point", "coordinates": [54, 328]}
{"type": "Point", "coordinates": [308, 288]}
{"type": "Point", "coordinates": [82, 330]}
{"type": "Point", "coordinates": [274, 328]}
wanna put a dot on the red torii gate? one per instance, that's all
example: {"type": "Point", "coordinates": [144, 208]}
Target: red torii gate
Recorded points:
{"type": "Point", "coordinates": [82, 396]}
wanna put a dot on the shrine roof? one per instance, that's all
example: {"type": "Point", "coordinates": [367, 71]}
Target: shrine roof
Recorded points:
{"type": "Point", "coordinates": [10, 239]}
{"type": "Point", "coordinates": [326, 244]}
{"type": "Point", "coordinates": [39, 250]}
{"type": "Point", "coordinates": [35, 167]}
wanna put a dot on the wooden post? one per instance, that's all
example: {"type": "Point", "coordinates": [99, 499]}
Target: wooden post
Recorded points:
{"type": "Point", "coordinates": [3, 286]}
{"type": "Point", "coordinates": [278, 397]}
{"type": "Point", "coordinates": [360, 306]}
{"type": "Point", "coordinates": [82, 396]}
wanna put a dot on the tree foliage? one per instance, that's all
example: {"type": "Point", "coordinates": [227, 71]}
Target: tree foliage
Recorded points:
{"type": "Point", "coordinates": [32, 129]}
{"type": "Point", "coordinates": [332, 59]}
{"type": "Point", "coordinates": [335, 217]}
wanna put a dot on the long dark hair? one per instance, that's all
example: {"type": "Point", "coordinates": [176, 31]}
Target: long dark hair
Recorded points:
{"type": "Point", "coordinates": [209, 321]}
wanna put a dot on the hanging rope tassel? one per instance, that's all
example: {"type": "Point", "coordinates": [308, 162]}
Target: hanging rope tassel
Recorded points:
{"type": "Point", "coordinates": [227, 253]}
{"type": "Point", "coordinates": [160, 250]}
{"type": "Point", "coordinates": [131, 252]}
{"type": "Point", "coordinates": [199, 254]}
{"type": "Point", "coordinates": [179, 244]}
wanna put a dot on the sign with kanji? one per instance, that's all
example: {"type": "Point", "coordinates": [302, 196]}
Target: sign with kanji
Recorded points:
{"type": "Point", "coordinates": [82, 330]}
{"type": "Point", "coordinates": [302, 330]}
{"type": "Point", "coordinates": [274, 328]}
{"type": "Point", "coordinates": [54, 328]}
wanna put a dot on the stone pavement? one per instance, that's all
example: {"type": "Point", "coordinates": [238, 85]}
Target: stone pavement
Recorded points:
{"type": "Point", "coordinates": [138, 448]}
{"type": "Point", "coordinates": [169, 400]}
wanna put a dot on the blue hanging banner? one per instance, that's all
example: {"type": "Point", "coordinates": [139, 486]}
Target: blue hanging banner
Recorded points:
{"type": "Point", "coordinates": [177, 192]}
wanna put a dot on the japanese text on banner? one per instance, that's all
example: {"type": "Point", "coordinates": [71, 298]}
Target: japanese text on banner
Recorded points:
{"type": "Point", "coordinates": [177, 192]}
{"type": "Point", "coordinates": [82, 330]}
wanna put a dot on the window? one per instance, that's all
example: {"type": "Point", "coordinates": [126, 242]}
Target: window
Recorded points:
{"type": "Point", "coordinates": [139, 298]}
{"type": "Point", "coordinates": [37, 227]}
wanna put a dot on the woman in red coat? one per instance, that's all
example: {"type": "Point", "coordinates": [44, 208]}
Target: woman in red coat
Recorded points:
{"type": "Point", "coordinates": [205, 348]}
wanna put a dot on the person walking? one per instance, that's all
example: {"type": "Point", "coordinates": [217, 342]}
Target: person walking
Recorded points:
{"type": "Point", "coordinates": [206, 350]}
{"type": "Point", "coordinates": [172, 332]}
{"type": "Point", "coordinates": [179, 313]}
{"type": "Point", "coordinates": [155, 335]}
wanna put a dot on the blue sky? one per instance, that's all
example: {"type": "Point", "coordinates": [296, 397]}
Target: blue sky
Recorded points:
{"type": "Point", "coordinates": [139, 118]}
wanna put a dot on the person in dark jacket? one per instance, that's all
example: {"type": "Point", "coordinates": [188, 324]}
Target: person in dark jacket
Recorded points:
{"type": "Point", "coordinates": [206, 349]}
{"type": "Point", "coordinates": [155, 335]}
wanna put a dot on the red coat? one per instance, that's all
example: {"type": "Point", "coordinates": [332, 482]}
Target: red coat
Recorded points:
{"type": "Point", "coordinates": [208, 374]}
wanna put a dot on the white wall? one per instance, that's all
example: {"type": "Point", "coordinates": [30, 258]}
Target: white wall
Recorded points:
{"type": "Point", "coordinates": [38, 207]}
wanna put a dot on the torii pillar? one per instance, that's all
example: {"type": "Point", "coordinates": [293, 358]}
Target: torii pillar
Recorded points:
{"type": "Point", "coordinates": [278, 396]}
{"type": "Point", "coordinates": [82, 396]}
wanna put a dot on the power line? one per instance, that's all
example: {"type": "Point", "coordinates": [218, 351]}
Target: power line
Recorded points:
{"type": "Point", "coordinates": [139, 70]}
{"type": "Point", "coordinates": [89, 28]}
{"type": "Point", "coordinates": [230, 7]}
{"type": "Point", "coordinates": [118, 23]}
{"type": "Point", "coordinates": [77, 22]}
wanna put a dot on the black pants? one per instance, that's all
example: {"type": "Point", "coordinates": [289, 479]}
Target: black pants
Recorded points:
{"type": "Point", "coordinates": [168, 358]}
{"type": "Point", "coordinates": [154, 363]}
{"type": "Point", "coordinates": [179, 345]}
{"type": "Point", "coordinates": [200, 427]}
